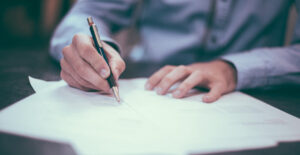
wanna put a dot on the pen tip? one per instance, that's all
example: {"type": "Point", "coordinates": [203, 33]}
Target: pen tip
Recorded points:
{"type": "Point", "coordinates": [116, 93]}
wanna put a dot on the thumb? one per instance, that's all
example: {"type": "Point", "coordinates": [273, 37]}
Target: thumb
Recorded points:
{"type": "Point", "coordinates": [214, 94]}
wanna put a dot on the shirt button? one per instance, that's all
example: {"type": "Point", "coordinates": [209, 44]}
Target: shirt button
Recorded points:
{"type": "Point", "coordinates": [214, 39]}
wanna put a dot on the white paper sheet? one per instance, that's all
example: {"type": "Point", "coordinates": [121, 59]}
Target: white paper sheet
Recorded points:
{"type": "Point", "coordinates": [146, 123]}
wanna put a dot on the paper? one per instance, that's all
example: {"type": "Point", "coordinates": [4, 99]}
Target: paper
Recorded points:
{"type": "Point", "coordinates": [146, 123]}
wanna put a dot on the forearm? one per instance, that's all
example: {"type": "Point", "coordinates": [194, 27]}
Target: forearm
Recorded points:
{"type": "Point", "coordinates": [266, 66]}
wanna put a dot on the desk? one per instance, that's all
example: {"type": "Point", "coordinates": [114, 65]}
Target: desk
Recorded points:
{"type": "Point", "coordinates": [17, 64]}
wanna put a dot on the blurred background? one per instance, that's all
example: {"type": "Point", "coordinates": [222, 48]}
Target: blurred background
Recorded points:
{"type": "Point", "coordinates": [28, 23]}
{"type": "Point", "coordinates": [25, 30]}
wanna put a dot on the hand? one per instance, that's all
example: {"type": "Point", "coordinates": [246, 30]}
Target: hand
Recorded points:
{"type": "Point", "coordinates": [218, 76]}
{"type": "Point", "coordinates": [84, 68]}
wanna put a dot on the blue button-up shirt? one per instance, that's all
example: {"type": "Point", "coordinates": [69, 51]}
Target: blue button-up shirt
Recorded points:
{"type": "Point", "coordinates": [247, 33]}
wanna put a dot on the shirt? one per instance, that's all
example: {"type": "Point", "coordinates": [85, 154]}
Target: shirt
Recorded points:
{"type": "Point", "coordinates": [249, 34]}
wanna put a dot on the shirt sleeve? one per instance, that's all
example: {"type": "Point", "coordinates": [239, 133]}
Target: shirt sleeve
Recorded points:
{"type": "Point", "coordinates": [266, 66]}
{"type": "Point", "coordinates": [110, 16]}
{"type": "Point", "coordinates": [269, 66]}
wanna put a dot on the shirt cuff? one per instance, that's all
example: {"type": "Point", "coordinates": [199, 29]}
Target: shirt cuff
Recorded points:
{"type": "Point", "coordinates": [64, 34]}
{"type": "Point", "coordinates": [251, 69]}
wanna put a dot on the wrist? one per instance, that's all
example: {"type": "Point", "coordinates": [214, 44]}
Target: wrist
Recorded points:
{"type": "Point", "coordinates": [231, 72]}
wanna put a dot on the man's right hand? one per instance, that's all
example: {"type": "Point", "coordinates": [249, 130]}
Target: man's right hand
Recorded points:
{"type": "Point", "coordinates": [84, 68]}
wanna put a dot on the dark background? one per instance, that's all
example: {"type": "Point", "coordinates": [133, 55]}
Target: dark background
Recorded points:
{"type": "Point", "coordinates": [26, 27]}
{"type": "Point", "coordinates": [30, 23]}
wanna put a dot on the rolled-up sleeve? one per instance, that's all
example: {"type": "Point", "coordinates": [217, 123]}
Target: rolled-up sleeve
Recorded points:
{"type": "Point", "coordinates": [110, 16]}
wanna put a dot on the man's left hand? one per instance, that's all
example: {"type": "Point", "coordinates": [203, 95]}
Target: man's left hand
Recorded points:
{"type": "Point", "coordinates": [218, 76]}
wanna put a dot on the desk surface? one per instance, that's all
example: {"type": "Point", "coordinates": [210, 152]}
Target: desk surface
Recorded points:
{"type": "Point", "coordinates": [16, 65]}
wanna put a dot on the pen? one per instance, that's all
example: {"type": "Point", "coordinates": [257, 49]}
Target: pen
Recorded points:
{"type": "Point", "coordinates": [99, 47]}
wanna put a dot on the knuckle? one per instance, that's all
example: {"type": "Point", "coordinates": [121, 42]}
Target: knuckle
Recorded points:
{"type": "Point", "coordinates": [198, 73]}
{"type": "Point", "coordinates": [167, 80]}
{"type": "Point", "coordinates": [84, 49]}
{"type": "Point", "coordinates": [182, 69]}
{"type": "Point", "coordinates": [66, 50]}
{"type": "Point", "coordinates": [152, 80]}
{"type": "Point", "coordinates": [168, 67]}
{"type": "Point", "coordinates": [80, 69]}
{"type": "Point", "coordinates": [186, 85]}
{"type": "Point", "coordinates": [76, 39]}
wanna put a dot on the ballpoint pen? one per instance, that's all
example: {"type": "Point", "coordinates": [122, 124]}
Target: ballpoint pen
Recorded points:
{"type": "Point", "coordinates": [99, 47]}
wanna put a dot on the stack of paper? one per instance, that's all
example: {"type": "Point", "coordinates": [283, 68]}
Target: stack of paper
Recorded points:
{"type": "Point", "coordinates": [146, 123]}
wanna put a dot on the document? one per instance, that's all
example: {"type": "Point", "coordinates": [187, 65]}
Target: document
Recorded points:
{"type": "Point", "coordinates": [146, 123]}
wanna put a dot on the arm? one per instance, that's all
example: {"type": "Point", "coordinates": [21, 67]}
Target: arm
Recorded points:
{"type": "Point", "coordinates": [110, 16]}
{"type": "Point", "coordinates": [81, 65]}
{"type": "Point", "coordinates": [249, 69]}
{"type": "Point", "coordinates": [269, 66]}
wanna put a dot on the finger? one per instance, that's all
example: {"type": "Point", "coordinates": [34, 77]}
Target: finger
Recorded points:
{"type": "Point", "coordinates": [71, 82]}
{"type": "Point", "coordinates": [88, 52]}
{"type": "Point", "coordinates": [110, 51]}
{"type": "Point", "coordinates": [68, 69]}
{"type": "Point", "coordinates": [117, 66]}
{"type": "Point", "coordinates": [157, 76]}
{"type": "Point", "coordinates": [117, 70]}
{"type": "Point", "coordinates": [190, 82]}
{"type": "Point", "coordinates": [83, 69]}
{"type": "Point", "coordinates": [116, 63]}
{"type": "Point", "coordinates": [214, 94]}
{"type": "Point", "coordinates": [171, 78]}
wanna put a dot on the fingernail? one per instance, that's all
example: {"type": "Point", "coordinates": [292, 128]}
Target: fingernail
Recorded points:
{"type": "Point", "coordinates": [177, 93]}
{"type": "Point", "coordinates": [103, 73]}
{"type": "Point", "coordinates": [148, 86]}
{"type": "Point", "coordinates": [159, 91]}
{"type": "Point", "coordinates": [206, 98]}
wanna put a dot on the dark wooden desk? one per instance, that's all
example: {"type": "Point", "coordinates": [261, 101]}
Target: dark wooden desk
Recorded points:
{"type": "Point", "coordinates": [16, 65]}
